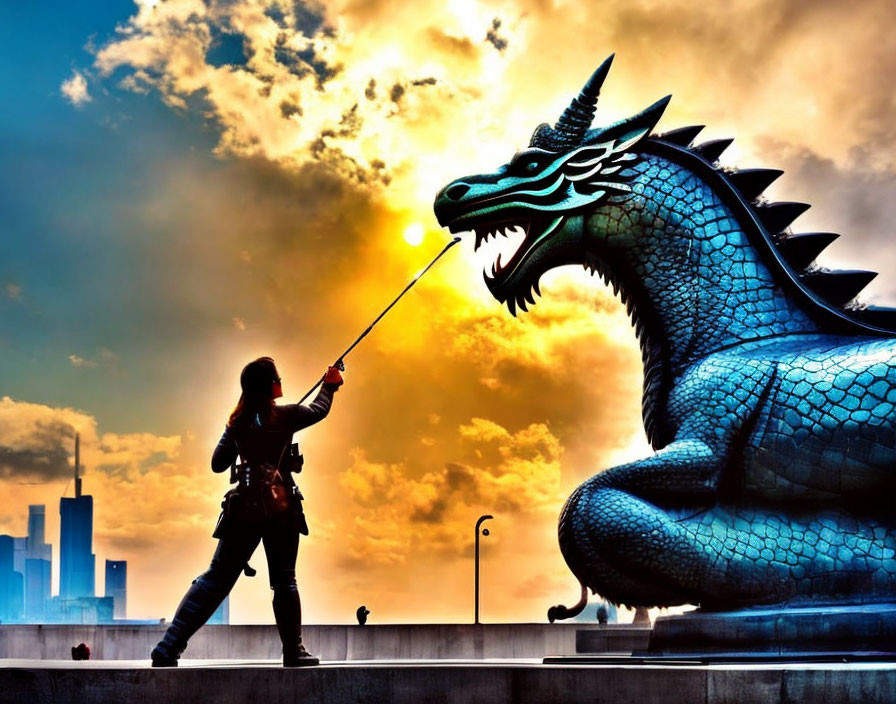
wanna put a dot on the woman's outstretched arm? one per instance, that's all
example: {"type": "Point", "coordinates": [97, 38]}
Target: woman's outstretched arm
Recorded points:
{"type": "Point", "coordinates": [317, 410]}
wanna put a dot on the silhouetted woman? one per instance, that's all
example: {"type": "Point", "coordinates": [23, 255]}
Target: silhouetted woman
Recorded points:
{"type": "Point", "coordinates": [266, 507]}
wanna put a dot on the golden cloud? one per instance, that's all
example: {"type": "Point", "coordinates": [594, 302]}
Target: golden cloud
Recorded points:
{"type": "Point", "coordinates": [397, 514]}
{"type": "Point", "coordinates": [421, 91]}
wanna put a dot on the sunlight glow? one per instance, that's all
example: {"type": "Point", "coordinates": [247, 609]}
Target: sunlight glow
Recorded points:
{"type": "Point", "coordinates": [413, 234]}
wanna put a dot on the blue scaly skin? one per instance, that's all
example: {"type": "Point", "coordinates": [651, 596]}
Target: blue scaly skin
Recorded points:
{"type": "Point", "coordinates": [768, 396]}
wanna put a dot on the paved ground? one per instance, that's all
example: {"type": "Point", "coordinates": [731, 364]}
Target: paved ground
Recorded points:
{"type": "Point", "coordinates": [448, 681]}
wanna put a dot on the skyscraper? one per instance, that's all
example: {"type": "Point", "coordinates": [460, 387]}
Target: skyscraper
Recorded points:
{"type": "Point", "coordinates": [19, 552]}
{"type": "Point", "coordinates": [36, 544]}
{"type": "Point", "coordinates": [38, 566]}
{"type": "Point", "coordinates": [77, 563]}
{"type": "Point", "coordinates": [117, 586]}
{"type": "Point", "coordinates": [11, 583]}
{"type": "Point", "coordinates": [37, 589]}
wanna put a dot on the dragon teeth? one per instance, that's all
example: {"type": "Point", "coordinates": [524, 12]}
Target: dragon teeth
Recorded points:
{"type": "Point", "coordinates": [511, 306]}
{"type": "Point", "coordinates": [517, 236]}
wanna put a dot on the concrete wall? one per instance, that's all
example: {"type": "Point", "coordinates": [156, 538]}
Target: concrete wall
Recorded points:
{"type": "Point", "coordinates": [613, 638]}
{"type": "Point", "coordinates": [418, 641]}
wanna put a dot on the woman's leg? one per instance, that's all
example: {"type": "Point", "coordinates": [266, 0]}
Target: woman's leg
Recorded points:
{"type": "Point", "coordinates": [281, 545]}
{"type": "Point", "coordinates": [205, 595]}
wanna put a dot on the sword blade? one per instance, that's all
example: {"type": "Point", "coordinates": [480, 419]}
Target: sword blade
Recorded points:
{"type": "Point", "coordinates": [370, 327]}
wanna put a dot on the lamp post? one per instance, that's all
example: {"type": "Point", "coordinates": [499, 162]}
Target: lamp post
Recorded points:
{"type": "Point", "coordinates": [476, 585]}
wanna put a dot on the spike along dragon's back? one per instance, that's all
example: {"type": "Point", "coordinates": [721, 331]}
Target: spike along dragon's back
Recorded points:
{"type": "Point", "coordinates": [768, 393]}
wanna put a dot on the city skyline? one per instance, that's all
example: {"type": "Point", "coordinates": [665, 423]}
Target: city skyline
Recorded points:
{"type": "Point", "coordinates": [26, 568]}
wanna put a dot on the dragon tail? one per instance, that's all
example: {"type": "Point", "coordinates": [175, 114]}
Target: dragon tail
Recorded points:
{"type": "Point", "coordinates": [560, 612]}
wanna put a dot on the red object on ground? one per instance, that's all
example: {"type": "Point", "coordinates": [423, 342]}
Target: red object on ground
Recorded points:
{"type": "Point", "coordinates": [81, 652]}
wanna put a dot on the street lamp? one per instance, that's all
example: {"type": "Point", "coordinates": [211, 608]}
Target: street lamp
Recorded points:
{"type": "Point", "coordinates": [476, 586]}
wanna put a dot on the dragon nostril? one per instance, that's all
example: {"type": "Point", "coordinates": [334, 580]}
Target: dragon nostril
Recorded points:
{"type": "Point", "coordinates": [457, 191]}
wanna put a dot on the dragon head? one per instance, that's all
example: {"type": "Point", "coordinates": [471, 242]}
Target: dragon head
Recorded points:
{"type": "Point", "coordinates": [545, 192]}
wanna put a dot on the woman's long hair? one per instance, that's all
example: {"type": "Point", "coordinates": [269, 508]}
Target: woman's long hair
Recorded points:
{"type": "Point", "coordinates": [257, 398]}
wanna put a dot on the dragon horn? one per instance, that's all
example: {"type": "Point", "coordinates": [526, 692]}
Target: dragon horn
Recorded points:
{"type": "Point", "coordinates": [576, 119]}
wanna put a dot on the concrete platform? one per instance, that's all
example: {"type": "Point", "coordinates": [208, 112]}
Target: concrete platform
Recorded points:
{"type": "Point", "coordinates": [435, 641]}
{"type": "Point", "coordinates": [491, 681]}
{"type": "Point", "coordinates": [848, 629]}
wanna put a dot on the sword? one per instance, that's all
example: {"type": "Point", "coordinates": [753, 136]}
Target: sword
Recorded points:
{"type": "Point", "coordinates": [339, 361]}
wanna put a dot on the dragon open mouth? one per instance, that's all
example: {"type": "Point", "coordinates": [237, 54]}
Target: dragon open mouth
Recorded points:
{"type": "Point", "coordinates": [509, 245]}
{"type": "Point", "coordinates": [501, 242]}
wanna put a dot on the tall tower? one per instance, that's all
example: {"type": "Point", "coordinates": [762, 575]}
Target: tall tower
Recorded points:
{"type": "Point", "coordinates": [77, 566]}
{"type": "Point", "coordinates": [77, 465]}
{"type": "Point", "coordinates": [37, 517]}
{"type": "Point", "coordinates": [38, 566]}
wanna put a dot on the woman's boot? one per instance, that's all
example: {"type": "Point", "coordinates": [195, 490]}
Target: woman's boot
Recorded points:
{"type": "Point", "coordinates": [288, 615]}
{"type": "Point", "coordinates": [199, 603]}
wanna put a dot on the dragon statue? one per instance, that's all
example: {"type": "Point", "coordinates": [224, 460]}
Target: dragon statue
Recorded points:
{"type": "Point", "coordinates": [769, 393]}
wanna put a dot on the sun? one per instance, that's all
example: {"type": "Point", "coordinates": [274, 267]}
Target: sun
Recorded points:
{"type": "Point", "coordinates": [413, 234]}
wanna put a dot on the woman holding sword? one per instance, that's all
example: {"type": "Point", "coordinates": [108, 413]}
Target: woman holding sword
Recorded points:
{"type": "Point", "coordinates": [266, 506]}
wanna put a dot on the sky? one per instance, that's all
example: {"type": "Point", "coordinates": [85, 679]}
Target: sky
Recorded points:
{"type": "Point", "coordinates": [186, 185]}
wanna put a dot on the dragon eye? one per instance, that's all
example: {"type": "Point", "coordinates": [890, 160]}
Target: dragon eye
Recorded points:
{"type": "Point", "coordinates": [531, 167]}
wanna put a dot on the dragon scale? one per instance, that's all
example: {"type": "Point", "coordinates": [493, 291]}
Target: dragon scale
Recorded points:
{"type": "Point", "coordinates": [769, 394]}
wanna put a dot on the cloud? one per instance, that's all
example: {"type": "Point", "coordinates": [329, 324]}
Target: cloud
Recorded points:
{"type": "Point", "coordinates": [326, 62]}
{"type": "Point", "coordinates": [35, 440]}
{"type": "Point", "coordinates": [38, 441]}
{"type": "Point", "coordinates": [80, 361]}
{"type": "Point", "coordinates": [74, 89]}
{"type": "Point", "coordinates": [104, 356]}
{"type": "Point", "coordinates": [542, 585]}
{"type": "Point", "coordinates": [397, 514]}
{"type": "Point", "coordinates": [308, 72]}
{"type": "Point", "coordinates": [41, 461]}
{"type": "Point", "coordinates": [853, 198]}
